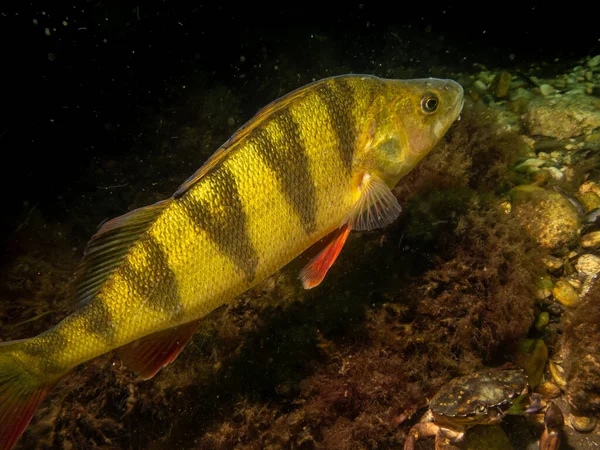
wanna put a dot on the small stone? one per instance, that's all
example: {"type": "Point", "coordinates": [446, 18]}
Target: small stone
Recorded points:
{"type": "Point", "coordinates": [480, 86]}
{"type": "Point", "coordinates": [558, 374]}
{"type": "Point", "coordinates": [591, 240]}
{"type": "Point", "coordinates": [547, 216]}
{"type": "Point", "coordinates": [589, 186]}
{"type": "Point", "coordinates": [595, 61]}
{"type": "Point", "coordinates": [589, 201]}
{"type": "Point", "coordinates": [544, 288]}
{"type": "Point", "coordinates": [582, 424]}
{"type": "Point", "coordinates": [563, 117]}
{"type": "Point", "coordinates": [589, 76]}
{"type": "Point", "coordinates": [592, 137]}
{"type": "Point", "coordinates": [566, 294]}
{"type": "Point", "coordinates": [588, 265]}
{"type": "Point", "coordinates": [552, 262]}
{"type": "Point", "coordinates": [543, 156]}
{"type": "Point", "coordinates": [231, 121]}
{"type": "Point", "coordinates": [546, 89]}
{"type": "Point", "coordinates": [555, 173]}
{"type": "Point", "coordinates": [549, 390]}
{"type": "Point", "coordinates": [531, 165]}
{"type": "Point", "coordinates": [542, 320]}
{"type": "Point", "coordinates": [500, 86]}
{"type": "Point", "coordinates": [575, 283]}
{"type": "Point", "coordinates": [532, 355]}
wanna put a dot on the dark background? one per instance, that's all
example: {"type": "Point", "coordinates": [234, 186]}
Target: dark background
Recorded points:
{"type": "Point", "coordinates": [86, 91]}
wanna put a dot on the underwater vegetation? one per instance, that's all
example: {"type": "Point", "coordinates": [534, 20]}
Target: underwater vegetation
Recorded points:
{"type": "Point", "coordinates": [494, 253]}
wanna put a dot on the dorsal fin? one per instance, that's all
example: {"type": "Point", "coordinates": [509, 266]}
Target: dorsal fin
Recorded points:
{"type": "Point", "coordinates": [107, 248]}
{"type": "Point", "coordinates": [225, 149]}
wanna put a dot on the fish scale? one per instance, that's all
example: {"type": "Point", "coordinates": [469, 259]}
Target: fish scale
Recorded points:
{"type": "Point", "coordinates": [317, 162]}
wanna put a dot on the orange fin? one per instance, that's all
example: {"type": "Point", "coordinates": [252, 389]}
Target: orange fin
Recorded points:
{"type": "Point", "coordinates": [148, 355]}
{"type": "Point", "coordinates": [376, 207]}
{"type": "Point", "coordinates": [314, 272]}
{"type": "Point", "coordinates": [20, 394]}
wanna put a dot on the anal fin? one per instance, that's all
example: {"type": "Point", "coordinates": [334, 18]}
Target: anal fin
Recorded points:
{"type": "Point", "coordinates": [314, 272]}
{"type": "Point", "coordinates": [148, 355]}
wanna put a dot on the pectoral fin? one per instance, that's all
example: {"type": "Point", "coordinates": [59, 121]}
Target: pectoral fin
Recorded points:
{"type": "Point", "coordinates": [376, 207]}
{"type": "Point", "coordinates": [314, 272]}
{"type": "Point", "coordinates": [148, 355]}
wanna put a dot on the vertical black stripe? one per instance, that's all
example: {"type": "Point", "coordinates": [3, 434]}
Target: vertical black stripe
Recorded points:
{"type": "Point", "coordinates": [338, 97]}
{"type": "Point", "coordinates": [288, 159]}
{"type": "Point", "coordinates": [154, 283]}
{"type": "Point", "coordinates": [221, 215]}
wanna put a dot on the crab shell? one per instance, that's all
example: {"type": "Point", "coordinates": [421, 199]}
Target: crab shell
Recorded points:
{"type": "Point", "coordinates": [478, 398]}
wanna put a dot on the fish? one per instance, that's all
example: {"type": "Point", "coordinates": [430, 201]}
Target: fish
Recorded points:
{"type": "Point", "coordinates": [313, 165]}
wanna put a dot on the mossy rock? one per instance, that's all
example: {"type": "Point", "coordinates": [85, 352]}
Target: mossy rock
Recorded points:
{"type": "Point", "coordinates": [486, 437]}
{"type": "Point", "coordinates": [546, 216]}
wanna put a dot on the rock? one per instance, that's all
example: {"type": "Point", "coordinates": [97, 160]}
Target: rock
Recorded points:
{"type": "Point", "coordinates": [500, 86]}
{"type": "Point", "coordinates": [566, 294]}
{"type": "Point", "coordinates": [549, 390]}
{"type": "Point", "coordinates": [591, 240]}
{"type": "Point", "coordinates": [546, 89]}
{"type": "Point", "coordinates": [480, 86]}
{"type": "Point", "coordinates": [580, 349]}
{"type": "Point", "coordinates": [556, 174]}
{"type": "Point", "coordinates": [544, 288]}
{"type": "Point", "coordinates": [552, 263]}
{"type": "Point", "coordinates": [588, 265]}
{"type": "Point", "coordinates": [563, 117]}
{"type": "Point", "coordinates": [531, 165]}
{"type": "Point", "coordinates": [589, 201]}
{"type": "Point", "coordinates": [547, 216]}
{"type": "Point", "coordinates": [589, 76]}
{"type": "Point", "coordinates": [589, 186]}
{"type": "Point", "coordinates": [583, 424]}
{"type": "Point", "coordinates": [595, 61]}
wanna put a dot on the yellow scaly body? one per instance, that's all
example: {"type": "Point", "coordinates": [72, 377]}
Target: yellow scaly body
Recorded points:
{"type": "Point", "coordinates": [305, 165]}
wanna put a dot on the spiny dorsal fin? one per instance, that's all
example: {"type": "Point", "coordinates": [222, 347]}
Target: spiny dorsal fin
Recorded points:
{"type": "Point", "coordinates": [376, 207]}
{"type": "Point", "coordinates": [148, 355]}
{"type": "Point", "coordinates": [108, 247]}
{"type": "Point", "coordinates": [272, 108]}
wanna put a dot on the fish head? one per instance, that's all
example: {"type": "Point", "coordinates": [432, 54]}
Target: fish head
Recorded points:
{"type": "Point", "coordinates": [413, 116]}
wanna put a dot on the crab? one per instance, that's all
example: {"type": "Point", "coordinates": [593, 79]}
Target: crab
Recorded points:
{"type": "Point", "coordinates": [484, 398]}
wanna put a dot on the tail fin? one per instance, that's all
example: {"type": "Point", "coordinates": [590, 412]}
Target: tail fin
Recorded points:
{"type": "Point", "coordinates": [20, 394]}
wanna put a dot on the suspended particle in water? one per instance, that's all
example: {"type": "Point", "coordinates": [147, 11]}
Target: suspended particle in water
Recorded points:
{"type": "Point", "coordinates": [51, 56]}
{"type": "Point", "coordinates": [47, 31]}
{"type": "Point", "coordinates": [35, 22]}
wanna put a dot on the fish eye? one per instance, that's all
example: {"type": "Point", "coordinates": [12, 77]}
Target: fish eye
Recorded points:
{"type": "Point", "coordinates": [429, 103]}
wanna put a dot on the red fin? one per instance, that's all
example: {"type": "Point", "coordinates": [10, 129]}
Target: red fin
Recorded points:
{"type": "Point", "coordinates": [148, 355]}
{"type": "Point", "coordinates": [314, 272]}
{"type": "Point", "coordinates": [20, 394]}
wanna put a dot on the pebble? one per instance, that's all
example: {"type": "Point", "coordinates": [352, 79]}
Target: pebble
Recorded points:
{"type": "Point", "coordinates": [589, 200]}
{"type": "Point", "coordinates": [552, 262]}
{"type": "Point", "coordinates": [546, 89]}
{"type": "Point", "coordinates": [547, 216]}
{"type": "Point", "coordinates": [588, 265]}
{"type": "Point", "coordinates": [480, 86]}
{"type": "Point", "coordinates": [591, 240]}
{"type": "Point", "coordinates": [501, 85]}
{"type": "Point", "coordinates": [558, 374]}
{"type": "Point", "coordinates": [549, 390]}
{"type": "Point", "coordinates": [566, 294]}
{"type": "Point", "coordinates": [556, 174]}
{"type": "Point", "coordinates": [582, 424]}
{"type": "Point", "coordinates": [595, 61]}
